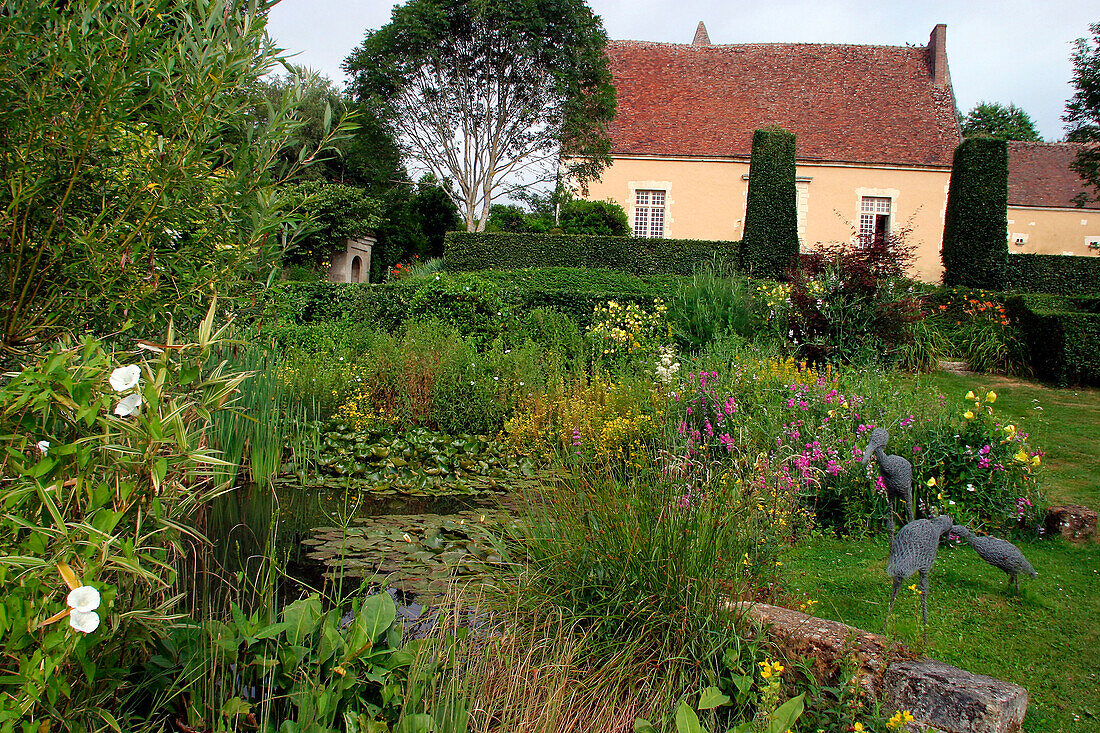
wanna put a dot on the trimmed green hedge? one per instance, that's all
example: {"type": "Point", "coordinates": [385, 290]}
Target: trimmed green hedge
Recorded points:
{"type": "Point", "coordinates": [572, 291]}
{"type": "Point", "coordinates": [467, 251]}
{"type": "Point", "coordinates": [1062, 335]}
{"type": "Point", "coordinates": [770, 242]}
{"type": "Point", "coordinates": [1059, 274]}
{"type": "Point", "coordinates": [975, 232]}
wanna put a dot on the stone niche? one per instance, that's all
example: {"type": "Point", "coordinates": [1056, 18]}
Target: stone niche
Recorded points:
{"type": "Point", "coordinates": [352, 264]}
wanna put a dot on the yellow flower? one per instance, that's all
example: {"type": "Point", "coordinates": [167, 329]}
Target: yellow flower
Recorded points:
{"type": "Point", "coordinates": [858, 728]}
{"type": "Point", "coordinates": [1021, 456]}
{"type": "Point", "coordinates": [931, 482]}
{"type": "Point", "coordinates": [900, 718]}
{"type": "Point", "coordinates": [969, 414]}
{"type": "Point", "coordinates": [971, 396]}
{"type": "Point", "coordinates": [913, 588]}
{"type": "Point", "coordinates": [1035, 460]}
{"type": "Point", "coordinates": [1011, 430]}
{"type": "Point", "coordinates": [991, 397]}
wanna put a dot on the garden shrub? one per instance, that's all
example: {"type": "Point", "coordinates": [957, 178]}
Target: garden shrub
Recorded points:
{"type": "Point", "coordinates": [105, 469]}
{"type": "Point", "coordinates": [602, 218]}
{"type": "Point", "coordinates": [803, 430]}
{"type": "Point", "coordinates": [975, 327]}
{"type": "Point", "coordinates": [468, 303]}
{"type": "Point", "coordinates": [770, 242]}
{"type": "Point", "coordinates": [637, 255]}
{"type": "Point", "coordinates": [1057, 274]}
{"type": "Point", "coordinates": [975, 233]}
{"type": "Point", "coordinates": [850, 304]}
{"type": "Point", "coordinates": [1061, 334]}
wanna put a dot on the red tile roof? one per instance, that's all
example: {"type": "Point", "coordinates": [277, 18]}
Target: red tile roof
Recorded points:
{"type": "Point", "coordinates": [1039, 175]}
{"type": "Point", "coordinates": [860, 104]}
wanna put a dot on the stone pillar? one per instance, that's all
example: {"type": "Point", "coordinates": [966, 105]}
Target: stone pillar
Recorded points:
{"type": "Point", "coordinates": [352, 264]}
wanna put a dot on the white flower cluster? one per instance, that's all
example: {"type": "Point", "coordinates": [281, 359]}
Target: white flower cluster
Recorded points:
{"type": "Point", "coordinates": [667, 365]}
{"type": "Point", "coordinates": [83, 602]}
{"type": "Point", "coordinates": [124, 379]}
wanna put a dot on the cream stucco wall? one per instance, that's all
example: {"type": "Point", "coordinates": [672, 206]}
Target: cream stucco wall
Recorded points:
{"type": "Point", "coordinates": [705, 199]}
{"type": "Point", "coordinates": [1053, 231]}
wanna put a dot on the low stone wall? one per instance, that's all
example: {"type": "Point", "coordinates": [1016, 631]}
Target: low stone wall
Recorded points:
{"type": "Point", "coordinates": [940, 697]}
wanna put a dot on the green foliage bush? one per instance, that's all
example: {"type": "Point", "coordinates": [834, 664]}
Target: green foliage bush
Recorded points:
{"type": "Point", "coordinates": [111, 494]}
{"type": "Point", "coordinates": [602, 218]}
{"type": "Point", "coordinates": [636, 255]}
{"type": "Point", "coordinates": [138, 182]}
{"type": "Point", "coordinates": [770, 243]}
{"type": "Point", "coordinates": [975, 233]}
{"type": "Point", "coordinates": [1062, 334]}
{"type": "Point", "coordinates": [333, 213]}
{"type": "Point", "coordinates": [709, 306]}
{"type": "Point", "coordinates": [467, 303]}
{"type": "Point", "coordinates": [1058, 274]}
{"type": "Point", "coordinates": [575, 292]}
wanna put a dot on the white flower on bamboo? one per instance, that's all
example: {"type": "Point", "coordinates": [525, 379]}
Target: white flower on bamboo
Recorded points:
{"type": "Point", "coordinates": [83, 602]}
{"type": "Point", "coordinates": [128, 405]}
{"type": "Point", "coordinates": [124, 378]}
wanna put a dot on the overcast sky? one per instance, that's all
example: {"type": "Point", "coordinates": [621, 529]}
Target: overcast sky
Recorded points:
{"type": "Point", "coordinates": [998, 50]}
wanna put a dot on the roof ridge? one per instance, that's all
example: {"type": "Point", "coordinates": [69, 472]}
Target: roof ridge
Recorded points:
{"type": "Point", "coordinates": [713, 46]}
{"type": "Point", "coordinates": [1037, 143]}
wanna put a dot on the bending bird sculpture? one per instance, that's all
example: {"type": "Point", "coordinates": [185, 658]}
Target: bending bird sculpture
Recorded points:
{"type": "Point", "coordinates": [914, 551]}
{"type": "Point", "coordinates": [897, 474]}
{"type": "Point", "coordinates": [998, 553]}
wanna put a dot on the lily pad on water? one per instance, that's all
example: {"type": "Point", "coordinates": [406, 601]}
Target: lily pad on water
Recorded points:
{"type": "Point", "coordinates": [419, 554]}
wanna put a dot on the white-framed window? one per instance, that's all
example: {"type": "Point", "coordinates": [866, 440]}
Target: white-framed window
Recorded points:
{"type": "Point", "coordinates": [649, 213]}
{"type": "Point", "coordinates": [874, 218]}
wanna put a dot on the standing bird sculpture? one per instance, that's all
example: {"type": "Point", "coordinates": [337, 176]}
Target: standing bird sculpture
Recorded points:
{"type": "Point", "coordinates": [998, 553]}
{"type": "Point", "coordinates": [897, 474]}
{"type": "Point", "coordinates": [914, 551]}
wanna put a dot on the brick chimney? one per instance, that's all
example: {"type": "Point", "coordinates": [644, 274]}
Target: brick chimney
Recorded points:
{"type": "Point", "coordinates": [937, 56]}
{"type": "Point", "coordinates": [701, 37]}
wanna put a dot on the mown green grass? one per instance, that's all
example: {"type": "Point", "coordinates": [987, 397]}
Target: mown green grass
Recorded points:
{"type": "Point", "coordinates": [1047, 637]}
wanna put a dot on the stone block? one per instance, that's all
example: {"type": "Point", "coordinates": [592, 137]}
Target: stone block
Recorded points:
{"type": "Point", "coordinates": [1075, 523]}
{"type": "Point", "coordinates": [948, 699]}
{"type": "Point", "coordinates": [940, 697]}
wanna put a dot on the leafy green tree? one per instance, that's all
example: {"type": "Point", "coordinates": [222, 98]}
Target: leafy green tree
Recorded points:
{"type": "Point", "coordinates": [332, 213]}
{"type": "Point", "coordinates": [368, 156]}
{"type": "Point", "coordinates": [1082, 115]}
{"type": "Point", "coordinates": [992, 119]}
{"type": "Point", "coordinates": [415, 221]}
{"type": "Point", "coordinates": [593, 217]}
{"type": "Point", "coordinates": [138, 182]}
{"type": "Point", "coordinates": [489, 94]}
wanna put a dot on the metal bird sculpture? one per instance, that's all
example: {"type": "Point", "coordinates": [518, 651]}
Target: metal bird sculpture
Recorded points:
{"type": "Point", "coordinates": [897, 474]}
{"type": "Point", "coordinates": [913, 551]}
{"type": "Point", "coordinates": [998, 553]}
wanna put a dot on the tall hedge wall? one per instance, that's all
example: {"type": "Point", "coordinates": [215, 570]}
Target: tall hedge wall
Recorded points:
{"type": "Point", "coordinates": [975, 232]}
{"type": "Point", "coordinates": [466, 251]}
{"type": "Point", "coordinates": [1062, 335]}
{"type": "Point", "coordinates": [770, 242]}
{"type": "Point", "coordinates": [1060, 274]}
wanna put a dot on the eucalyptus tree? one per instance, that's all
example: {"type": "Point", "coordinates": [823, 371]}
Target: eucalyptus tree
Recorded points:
{"type": "Point", "coordinates": [491, 96]}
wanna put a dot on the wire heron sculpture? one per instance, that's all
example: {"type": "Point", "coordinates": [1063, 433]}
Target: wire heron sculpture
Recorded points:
{"type": "Point", "coordinates": [897, 474]}
{"type": "Point", "coordinates": [914, 551]}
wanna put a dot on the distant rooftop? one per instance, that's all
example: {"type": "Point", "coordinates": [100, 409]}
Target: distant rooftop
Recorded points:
{"type": "Point", "coordinates": [1039, 175]}
{"type": "Point", "coordinates": [845, 103]}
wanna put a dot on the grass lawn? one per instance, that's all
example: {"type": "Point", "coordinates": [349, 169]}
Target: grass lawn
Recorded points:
{"type": "Point", "coordinates": [1046, 638]}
